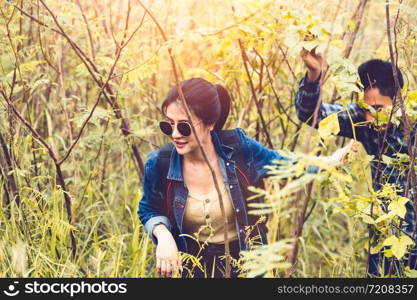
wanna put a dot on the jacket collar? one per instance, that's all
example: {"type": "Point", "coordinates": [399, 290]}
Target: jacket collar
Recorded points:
{"type": "Point", "coordinates": [175, 163]}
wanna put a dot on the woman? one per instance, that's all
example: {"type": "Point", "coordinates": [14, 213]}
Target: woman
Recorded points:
{"type": "Point", "coordinates": [179, 195]}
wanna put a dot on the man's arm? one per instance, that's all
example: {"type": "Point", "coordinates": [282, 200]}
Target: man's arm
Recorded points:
{"type": "Point", "coordinates": [306, 100]}
{"type": "Point", "coordinates": [308, 95]}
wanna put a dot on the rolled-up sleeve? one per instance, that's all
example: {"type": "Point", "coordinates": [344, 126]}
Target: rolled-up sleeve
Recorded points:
{"type": "Point", "coordinates": [153, 221]}
{"type": "Point", "coordinates": [151, 206]}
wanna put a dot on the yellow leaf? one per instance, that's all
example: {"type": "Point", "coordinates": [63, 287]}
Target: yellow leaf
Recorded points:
{"type": "Point", "coordinates": [329, 126]}
{"type": "Point", "coordinates": [398, 245]}
{"type": "Point", "coordinates": [407, 240]}
{"type": "Point", "coordinates": [367, 219]}
{"type": "Point", "coordinates": [377, 248]}
{"type": "Point", "coordinates": [412, 96]}
{"type": "Point", "coordinates": [398, 206]}
{"type": "Point", "coordinates": [300, 168]}
{"type": "Point", "coordinates": [410, 273]}
{"type": "Point", "coordinates": [30, 66]}
{"type": "Point", "coordinates": [384, 217]}
{"type": "Point", "coordinates": [390, 241]}
{"type": "Point", "coordinates": [388, 253]}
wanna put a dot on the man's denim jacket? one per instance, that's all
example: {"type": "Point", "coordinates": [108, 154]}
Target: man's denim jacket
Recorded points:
{"type": "Point", "coordinates": [151, 205]}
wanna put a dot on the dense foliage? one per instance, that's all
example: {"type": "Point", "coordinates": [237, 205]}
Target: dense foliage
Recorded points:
{"type": "Point", "coordinates": [81, 84]}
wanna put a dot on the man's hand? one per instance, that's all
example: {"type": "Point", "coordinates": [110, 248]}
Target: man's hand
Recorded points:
{"type": "Point", "coordinates": [315, 63]}
{"type": "Point", "coordinates": [341, 155]}
{"type": "Point", "coordinates": [168, 261]}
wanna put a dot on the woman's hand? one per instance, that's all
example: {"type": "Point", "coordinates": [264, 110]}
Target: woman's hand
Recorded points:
{"type": "Point", "coordinates": [315, 63]}
{"type": "Point", "coordinates": [168, 261]}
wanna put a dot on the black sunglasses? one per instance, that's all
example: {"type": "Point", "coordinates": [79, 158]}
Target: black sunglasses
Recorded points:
{"type": "Point", "coordinates": [184, 128]}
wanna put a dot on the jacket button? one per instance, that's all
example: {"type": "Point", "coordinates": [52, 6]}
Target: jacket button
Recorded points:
{"type": "Point", "coordinates": [237, 210]}
{"type": "Point", "coordinates": [231, 186]}
{"type": "Point", "coordinates": [227, 164]}
{"type": "Point", "coordinates": [241, 231]}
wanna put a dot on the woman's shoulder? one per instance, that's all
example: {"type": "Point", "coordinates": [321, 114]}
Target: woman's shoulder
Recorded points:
{"type": "Point", "coordinates": [238, 140]}
{"type": "Point", "coordinates": [248, 143]}
{"type": "Point", "coordinates": [234, 136]}
{"type": "Point", "coordinates": [151, 160]}
{"type": "Point", "coordinates": [153, 155]}
{"type": "Point", "coordinates": [161, 153]}
{"type": "Point", "coordinates": [236, 129]}
{"type": "Point", "coordinates": [233, 132]}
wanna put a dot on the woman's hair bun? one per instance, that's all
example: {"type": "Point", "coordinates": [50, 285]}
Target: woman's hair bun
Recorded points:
{"type": "Point", "coordinates": [225, 100]}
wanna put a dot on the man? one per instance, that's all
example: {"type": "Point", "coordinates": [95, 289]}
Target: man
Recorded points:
{"type": "Point", "coordinates": [378, 138]}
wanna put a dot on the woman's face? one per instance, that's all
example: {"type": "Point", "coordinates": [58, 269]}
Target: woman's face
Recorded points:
{"type": "Point", "coordinates": [175, 114]}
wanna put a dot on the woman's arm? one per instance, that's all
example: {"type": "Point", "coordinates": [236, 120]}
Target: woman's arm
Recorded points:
{"type": "Point", "coordinates": [260, 156]}
{"type": "Point", "coordinates": [151, 206]}
{"type": "Point", "coordinates": [157, 225]}
{"type": "Point", "coordinates": [168, 259]}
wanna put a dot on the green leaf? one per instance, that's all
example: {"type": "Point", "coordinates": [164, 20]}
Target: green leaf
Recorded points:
{"type": "Point", "coordinates": [329, 126]}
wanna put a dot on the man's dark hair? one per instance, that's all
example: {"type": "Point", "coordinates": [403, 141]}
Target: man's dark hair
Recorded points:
{"type": "Point", "coordinates": [376, 73]}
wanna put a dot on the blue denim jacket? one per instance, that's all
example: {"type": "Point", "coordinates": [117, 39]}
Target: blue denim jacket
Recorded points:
{"type": "Point", "coordinates": [151, 205]}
